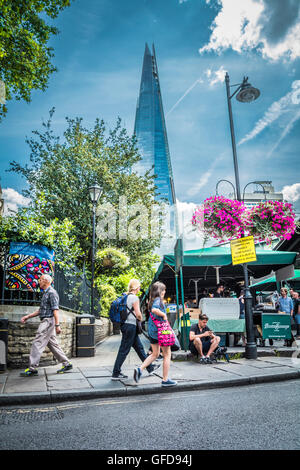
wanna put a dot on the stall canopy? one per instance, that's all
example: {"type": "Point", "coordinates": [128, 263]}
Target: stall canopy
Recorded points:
{"type": "Point", "coordinates": [205, 263]}
{"type": "Point", "coordinates": [272, 279]}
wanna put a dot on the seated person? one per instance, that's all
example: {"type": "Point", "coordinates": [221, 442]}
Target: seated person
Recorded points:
{"type": "Point", "coordinates": [202, 340]}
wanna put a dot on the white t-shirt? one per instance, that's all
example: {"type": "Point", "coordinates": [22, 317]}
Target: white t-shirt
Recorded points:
{"type": "Point", "coordinates": [131, 299]}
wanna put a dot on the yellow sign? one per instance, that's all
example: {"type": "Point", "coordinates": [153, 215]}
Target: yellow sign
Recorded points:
{"type": "Point", "coordinates": [243, 250]}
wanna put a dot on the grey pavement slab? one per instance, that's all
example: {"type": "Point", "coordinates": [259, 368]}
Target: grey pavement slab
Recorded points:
{"type": "Point", "coordinates": [106, 384]}
{"type": "Point", "coordinates": [95, 372]}
{"type": "Point", "coordinates": [16, 384]}
{"type": "Point", "coordinates": [68, 384]}
{"type": "Point", "coordinates": [64, 377]}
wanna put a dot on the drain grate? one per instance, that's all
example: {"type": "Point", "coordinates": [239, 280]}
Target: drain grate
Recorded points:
{"type": "Point", "coordinates": [30, 415]}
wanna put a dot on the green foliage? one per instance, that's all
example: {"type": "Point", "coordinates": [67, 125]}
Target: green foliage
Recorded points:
{"type": "Point", "coordinates": [112, 258]}
{"type": "Point", "coordinates": [25, 57]}
{"type": "Point", "coordinates": [107, 293]}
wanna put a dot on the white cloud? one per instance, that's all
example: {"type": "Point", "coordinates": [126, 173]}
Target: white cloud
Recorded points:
{"type": "Point", "coordinates": [286, 107]}
{"type": "Point", "coordinates": [13, 200]}
{"type": "Point", "coordinates": [216, 76]}
{"type": "Point", "coordinates": [291, 193]}
{"type": "Point", "coordinates": [265, 25]}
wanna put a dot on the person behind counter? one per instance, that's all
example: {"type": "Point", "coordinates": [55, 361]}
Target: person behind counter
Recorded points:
{"type": "Point", "coordinates": [219, 291]}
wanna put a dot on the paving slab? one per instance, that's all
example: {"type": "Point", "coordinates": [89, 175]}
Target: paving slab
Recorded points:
{"type": "Point", "coordinates": [68, 384]}
{"type": "Point", "coordinates": [53, 376]}
{"type": "Point", "coordinates": [16, 384]}
{"type": "Point", "coordinates": [106, 384]}
{"type": "Point", "coordinates": [95, 372]}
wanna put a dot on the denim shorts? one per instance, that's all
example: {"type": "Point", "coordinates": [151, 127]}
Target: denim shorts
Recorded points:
{"type": "Point", "coordinates": [205, 347]}
{"type": "Point", "coordinates": [153, 341]}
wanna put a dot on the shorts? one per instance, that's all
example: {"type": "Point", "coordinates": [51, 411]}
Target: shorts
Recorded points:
{"type": "Point", "coordinates": [205, 347]}
{"type": "Point", "coordinates": [153, 341]}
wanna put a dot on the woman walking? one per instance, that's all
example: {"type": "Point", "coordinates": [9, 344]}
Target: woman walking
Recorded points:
{"type": "Point", "coordinates": [157, 313]}
{"type": "Point", "coordinates": [130, 338]}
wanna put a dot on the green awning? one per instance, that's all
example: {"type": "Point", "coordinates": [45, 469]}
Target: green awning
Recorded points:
{"type": "Point", "coordinates": [201, 264]}
{"type": "Point", "coordinates": [272, 279]}
{"type": "Point", "coordinates": [221, 256]}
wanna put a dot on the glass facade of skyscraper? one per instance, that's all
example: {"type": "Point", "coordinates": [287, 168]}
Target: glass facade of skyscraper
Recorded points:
{"type": "Point", "coordinates": [150, 130]}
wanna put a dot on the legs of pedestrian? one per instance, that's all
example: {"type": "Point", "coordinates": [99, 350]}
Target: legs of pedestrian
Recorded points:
{"type": "Point", "coordinates": [139, 349]}
{"type": "Point", "coordinates": [128, 337]}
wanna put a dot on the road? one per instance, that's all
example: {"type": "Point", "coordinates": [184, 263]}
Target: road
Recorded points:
{"type": "Point", "coordinates": [261, 417]}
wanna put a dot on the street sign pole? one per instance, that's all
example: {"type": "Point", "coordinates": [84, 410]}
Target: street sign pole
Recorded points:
{"type": "Point", "coordinates": [243, 252]}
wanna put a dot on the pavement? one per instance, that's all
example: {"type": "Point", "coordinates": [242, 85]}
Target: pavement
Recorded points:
{"type": "Point", "coordinates": [91, 376]}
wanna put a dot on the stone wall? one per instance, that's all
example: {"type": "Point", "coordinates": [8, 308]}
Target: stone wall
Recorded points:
{"type": "Point", "coordinates": [20, 336]}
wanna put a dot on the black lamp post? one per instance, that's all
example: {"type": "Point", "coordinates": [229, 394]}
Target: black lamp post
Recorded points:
{"type": "Point", "coordinates": [95, 192]}
{"type": "Point", "coordinates": [245, 94]}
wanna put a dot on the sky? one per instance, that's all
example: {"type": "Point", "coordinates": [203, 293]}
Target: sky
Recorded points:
{"type": "Point", "coordinates": [99, 54]}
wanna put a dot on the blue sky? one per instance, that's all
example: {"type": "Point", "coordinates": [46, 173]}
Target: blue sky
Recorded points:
{"type": "Point", "coordinates": [99, 53]}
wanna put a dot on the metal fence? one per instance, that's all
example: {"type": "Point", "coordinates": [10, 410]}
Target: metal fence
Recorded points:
{"type": "Point", "coordinates": [74, 291]}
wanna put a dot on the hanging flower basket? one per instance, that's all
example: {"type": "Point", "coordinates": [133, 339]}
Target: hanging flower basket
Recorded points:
{"type": "Point", "coordinates": [220, 218]}
{"type": "Point", "coordinates": [112, 258]}
{"type": "Point", "coordinates": [271, 219]}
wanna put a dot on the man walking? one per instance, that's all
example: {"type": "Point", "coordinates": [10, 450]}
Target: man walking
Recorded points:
{"type": "Point", "coordinates": [47, 331]}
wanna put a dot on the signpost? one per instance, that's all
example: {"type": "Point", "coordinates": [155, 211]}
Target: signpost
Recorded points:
{"type": "Point", "coordinates": [243, 252]}
{"type": "Point", "coordinates": [178, 254]}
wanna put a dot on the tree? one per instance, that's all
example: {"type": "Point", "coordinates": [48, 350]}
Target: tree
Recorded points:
{"type": "Point", "coordinates": [25, 57]}
{"type": "Point", "coordinates": [64, 170]}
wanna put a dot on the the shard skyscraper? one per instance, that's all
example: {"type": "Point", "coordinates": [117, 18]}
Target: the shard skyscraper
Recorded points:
{"type": "Point", "coordinates": [150, 130]}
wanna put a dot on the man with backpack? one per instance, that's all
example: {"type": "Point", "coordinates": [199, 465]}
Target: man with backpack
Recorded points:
{"type": "Point", "coordinates": [127, 310]}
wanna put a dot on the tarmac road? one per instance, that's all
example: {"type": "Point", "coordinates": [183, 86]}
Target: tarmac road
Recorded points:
{"type": "Point", "coordinates": [261, 417]}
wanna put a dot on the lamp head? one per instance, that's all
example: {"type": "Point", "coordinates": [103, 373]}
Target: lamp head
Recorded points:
{"type": "Point", "coordinates": [95, 192]}
{"type": "Point", "coordinates": [247, 92]}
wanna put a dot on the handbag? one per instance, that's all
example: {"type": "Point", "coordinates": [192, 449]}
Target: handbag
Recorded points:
{"type": "Point", "coordinates": [176, 346]}
{"type": "Point", "coordinates": [165, 335]}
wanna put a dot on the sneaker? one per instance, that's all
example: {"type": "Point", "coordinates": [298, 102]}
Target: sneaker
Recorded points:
{"type": "Point", "coordinates": [168, 383]}
{"type": "Point", "coordinates": [202, 360]}
{"type": "Point", "coordinates": [65, 369]}
{"type": "Point", "coordinates": [137, 374]}
{"type": "Point", "coordinates": [29, 373]}
{"type": "Point", "coordinates": [120, 376]}
{"type": "Point", "coordinates": [155, 367]}
{"type": "Point", "coordinates": [208, 360]}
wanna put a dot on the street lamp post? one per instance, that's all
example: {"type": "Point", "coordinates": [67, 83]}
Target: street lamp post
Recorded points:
{"type": "Point", "coordinates": [95, 192]}
{"type": "Point", "coordinates": [245, 94]}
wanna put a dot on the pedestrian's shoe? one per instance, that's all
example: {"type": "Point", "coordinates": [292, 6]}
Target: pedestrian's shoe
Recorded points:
{"type": "Point", "coordinates": [208, 360]}
{"type": "Point", "coordinates": [29, 373]}
{"type": "Point", "coordinates": [168, 383]}
{"type": "Point", "coordinates": [65, 369]}
{"type": "Point", "coordinates": [202, 360]}
{"type": "Point", "coordinates": [120, 376]}
{"type": "Point", "coordinates": [137, 374]}
{"type": "Point", "coordinates": [155, 367]}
